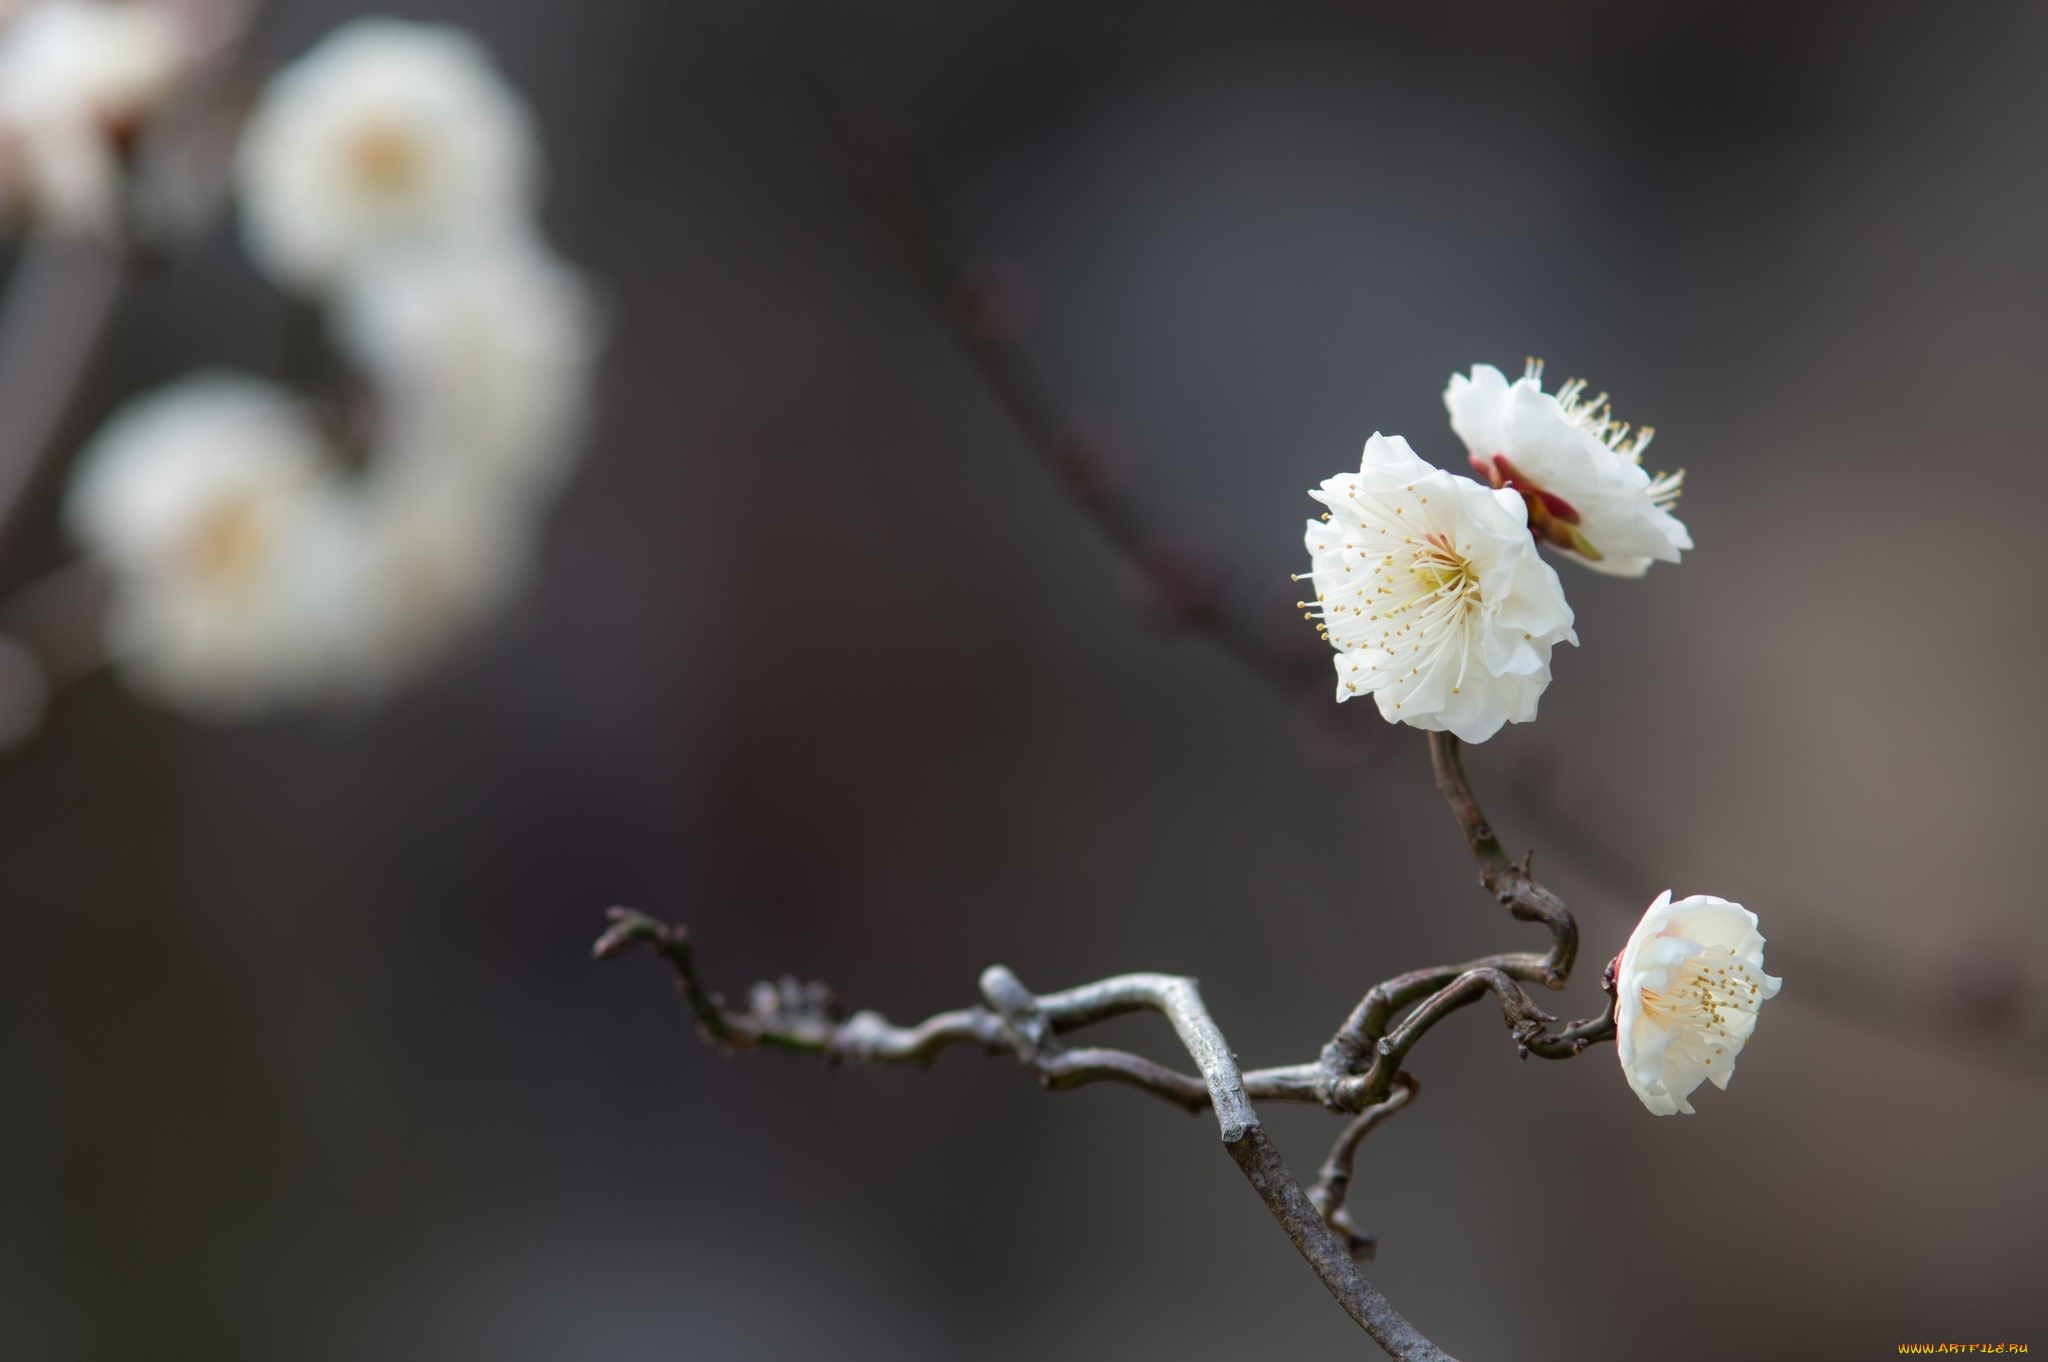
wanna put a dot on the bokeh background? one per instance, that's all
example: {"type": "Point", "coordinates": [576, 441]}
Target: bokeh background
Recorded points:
{"type": "Point", "coordinates": [302, 1054]}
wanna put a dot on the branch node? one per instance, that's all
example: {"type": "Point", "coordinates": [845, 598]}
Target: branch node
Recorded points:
{"type": "Point", "coordinates": [1016, 1005]}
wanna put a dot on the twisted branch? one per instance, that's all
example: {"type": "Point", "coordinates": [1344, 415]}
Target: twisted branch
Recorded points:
{"type": "Point", "coordinates": [1334, 1182]}
{"type": "Point", "coordinates": [1359, 1071]}
{"type": "Point", "coordinates": [798, 1016]}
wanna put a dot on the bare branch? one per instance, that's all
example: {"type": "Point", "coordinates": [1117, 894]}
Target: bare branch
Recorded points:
{"type": "Point", "coordinates": [1525, 1021]}
{"type": "Point", "coordinates": [1376, 1038]}
{"type": "Point", "coordinates": [988, 306]}
{"type": "Point", "coordinates": [799, 1016]}
{"type": "Point", "coordinates": [1074, 1068]}
{"type": "Point", "coordinates": [1334, 1182]}
{"type": "Point", "coordinates": [1510, 882]}
{"type": "Point", "coordinates": [1332, 1261]}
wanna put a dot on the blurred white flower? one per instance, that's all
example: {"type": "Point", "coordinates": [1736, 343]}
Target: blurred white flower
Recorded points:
{"type": "Point", "coordinates": [1576, 466]}
{"type": "Point", "coordinates": [78, 78]}
{"type": "Point", "coordinates": [1432, 591]}
{"type": "Point", "coordinates": [255, 569]}
{"type": "Point", "coordinates": [1688, 986]}
{"type": "Point", "coordinates": [387, 132]}
{"type": "Point", "coordinates": [245, 571]}
{"type": "Point", "coordinates": [481, 359]}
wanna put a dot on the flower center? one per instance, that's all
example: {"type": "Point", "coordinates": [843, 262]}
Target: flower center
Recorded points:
{"type": "Point", "coordinates": [1411, 603]}
{"type": "Point", "coordinates": [385, 159]}
{"type": "Point", "coordinates": [1552, 519]}
{"type": "Point", "coordinates": [1714, 995]}
{"type": "Point", "coordinates": [1442, 570]}
{"type": "Point", "coordinates": [227, 544]}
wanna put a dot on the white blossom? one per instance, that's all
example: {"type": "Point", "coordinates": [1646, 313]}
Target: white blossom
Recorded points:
{"type": "Point", "coordinates": [387, 132]}
{"type": "Point", "coordinates": [1432, 592]}
{"type": "Point", "coordinates": [244, 569]}
{"type": "Point", "coordinates": [78, 78]}
{"type": "Point", "coordinates": [481, 359]}
{"type": "Point", "coordinates": [1688, 986]}
{"type": "Point", "coordinates": [1579, 469]}
{"type": "Point", "coordinates": [254, 567]}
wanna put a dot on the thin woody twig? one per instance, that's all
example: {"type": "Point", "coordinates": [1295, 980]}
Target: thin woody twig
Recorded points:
{"type": "Point", "coordinates": [1333, 1184]}
{"type": "Point", "coordinates": [988, 307]}
{"type": "Point", "coordinates": [1512, 883]}
{"type": "Point", "coordinates": [1358, 1071]}
{"type": "Point", "coordinates": [795, 1016]}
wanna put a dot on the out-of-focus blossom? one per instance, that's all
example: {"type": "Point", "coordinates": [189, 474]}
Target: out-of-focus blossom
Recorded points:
{"type": "Point", "coordinates": [255, 567]}
{"type": "Point", "coordinates": [481, 360]}
{"type": "Point", "coordinates": [1578, 469]}
{"type": "Point", "coordinates": [1431, 590]}
{"type": "Point", "coordinates": [1688, 986]}
{"type": "Point", "coordinates": [78, 80]}
{"type": "Point", "coordinates": [386, 133]}
{"type": "Point", "coordinates": [245, 570]}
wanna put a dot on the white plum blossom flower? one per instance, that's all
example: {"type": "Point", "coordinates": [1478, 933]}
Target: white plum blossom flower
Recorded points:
{"type": "Point", "coordinates": [1578, 468]}
{"type": "Point", "coordinates": [387, 132]}
{"type": "Point", "coordinates": [481, 358]}
{"type": "Point", "coordinates": [244, 569]}
{"type": "Point", "coordinates": [1688, 986]}
{"type": "Point", "coordinates": [78, 79]}
{"type": "Point", "coordinates": [1432, 591]}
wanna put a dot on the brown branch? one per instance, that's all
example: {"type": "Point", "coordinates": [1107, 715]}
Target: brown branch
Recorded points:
{"type": "Point", "coordinates": [805, 1016]}
{"type": "Point", "coordinates": [988, 307]}
{"type": "Point", "coordinates": [1509, 881]}
{"type": "Point", "coordinates": [1359, 1070]}
{"type": "Point", "coordinates": [1332, 1261]}
{"type": "Point", "coordinates": [1334, 1182]}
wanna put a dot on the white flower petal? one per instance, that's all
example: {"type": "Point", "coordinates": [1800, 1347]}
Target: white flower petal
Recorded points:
{"type": "Point", "coordinates": [386, 133]}
{"type": "Point", "coordinates": [1430, 588]}
{"type": "Point", "coordinates": [1572, 450]}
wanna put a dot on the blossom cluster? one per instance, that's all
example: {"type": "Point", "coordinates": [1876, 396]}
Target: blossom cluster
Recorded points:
{"type": "Point", "coordinates": [1432, 589]}
{"type": "Point", "coordinates": [1430, 586]}
{"type": "Point", "coordinates": [271, 552]}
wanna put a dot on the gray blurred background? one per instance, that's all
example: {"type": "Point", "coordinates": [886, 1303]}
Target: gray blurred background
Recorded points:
{"type": "Point", "coordinates": [302, 1055]}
